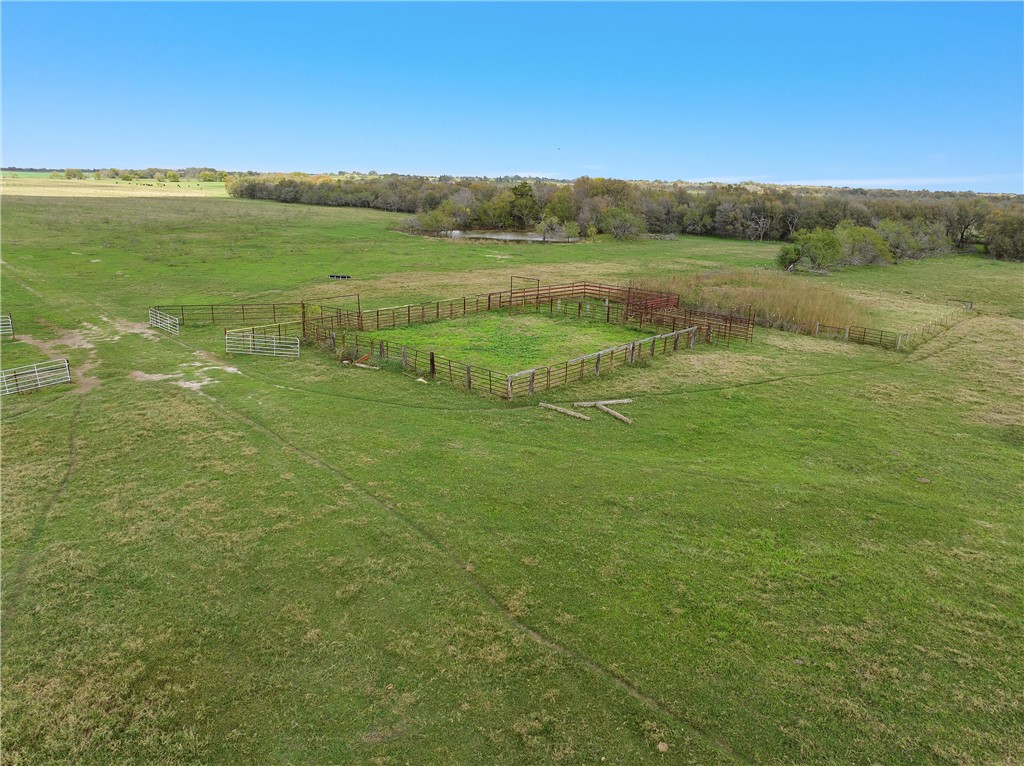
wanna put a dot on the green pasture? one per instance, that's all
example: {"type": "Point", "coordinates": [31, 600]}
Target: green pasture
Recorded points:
{"type": "Point", "coordinates": [803, 551]}
{"type": "Point", "coordinates": [508, 342]}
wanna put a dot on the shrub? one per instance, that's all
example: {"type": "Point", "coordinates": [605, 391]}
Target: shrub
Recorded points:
{"type": "Point", "coordinates": [1004, 231]}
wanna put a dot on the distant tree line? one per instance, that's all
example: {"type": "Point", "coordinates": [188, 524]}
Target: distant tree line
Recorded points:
{"type": "Point", "coordinates": [821, 228]}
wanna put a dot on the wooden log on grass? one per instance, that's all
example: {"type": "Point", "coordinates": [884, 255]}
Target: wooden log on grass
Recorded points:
{"type": "Point", "coordinates": [602, 401]}
{"type": "Point", "coordinates": [614, 414]}
{"type": "Point", "coordinates": [564, 411]}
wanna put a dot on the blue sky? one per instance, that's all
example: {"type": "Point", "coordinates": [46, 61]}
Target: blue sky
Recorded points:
{"type": "Point", "coordinates": [918, 95]}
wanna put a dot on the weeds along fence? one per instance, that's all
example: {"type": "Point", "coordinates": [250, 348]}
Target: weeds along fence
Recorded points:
{"type": "Point", "coordinates": [30, 377]}
{"type": "Point", "coordinates": [265, 340]}
{"type": "Point", "coordinates": [484, 380]}
{"type": "Point", "coordinates": [896, 341]}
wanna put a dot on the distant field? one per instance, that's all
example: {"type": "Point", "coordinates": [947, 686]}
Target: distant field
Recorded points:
{"type": "Point", "coordinates": [41, 185]}
{"type": "Point", "coordinates": [802, 552]}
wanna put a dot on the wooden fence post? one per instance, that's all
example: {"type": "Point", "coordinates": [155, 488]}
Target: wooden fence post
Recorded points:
{"type": "Point", "coordinates": [597, 366]}
{"type": "Point", "coordinates": [533, 373]}
{"type": "Point", "coordinates": [469, 379]}
{"type": "Point", "coordinates": [508, 383]}
{"type": "Point", "coordinates": [817, 325]}
{"type": "Point", "coordinates": [433, 370]}
{"type": "Point", "coordinates": [405, 358]}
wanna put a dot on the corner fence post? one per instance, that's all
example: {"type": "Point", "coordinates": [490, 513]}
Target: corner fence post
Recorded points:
{"type": "Point", "coordinates": [508, 383]}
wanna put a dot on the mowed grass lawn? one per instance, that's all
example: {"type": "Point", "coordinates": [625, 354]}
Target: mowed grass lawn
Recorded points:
{"type": "Point", "coordinates": [508, 342]}
{"type": "Point", "coordinates": [803, 551]}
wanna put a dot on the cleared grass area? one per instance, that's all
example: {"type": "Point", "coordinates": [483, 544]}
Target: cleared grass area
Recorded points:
{"type": "Point", "coordinates": [41, 185]}
{"type": "Point", "coordinates": [511, 342]}
{"type": "Point", "coordinates": [803, 551]}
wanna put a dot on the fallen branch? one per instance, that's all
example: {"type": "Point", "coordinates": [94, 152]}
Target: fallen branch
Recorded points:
{"type": "Point", "coordinates": [614, 414]}
{"type": "Point", "coordinates": [603, 401]}
{"type": "Point", "coordinates": [564, 411]}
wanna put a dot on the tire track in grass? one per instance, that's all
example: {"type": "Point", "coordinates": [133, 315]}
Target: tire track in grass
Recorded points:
{"type": "Point", "coordinates": [424, 533]}
{"type": "Point", "coordinates": [17, 577]}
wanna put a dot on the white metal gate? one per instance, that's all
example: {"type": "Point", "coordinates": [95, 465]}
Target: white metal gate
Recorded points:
{"type": "Point", "coordinates": [261, 345]}
{"type": "Point", "coordinates": [6, 325]}
{"type": "Point", "coordinates": [163, 321]}
{"type": "Point", "coordinates": [33, 376]}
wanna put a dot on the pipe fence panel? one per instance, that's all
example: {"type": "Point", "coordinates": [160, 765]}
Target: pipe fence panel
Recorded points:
{"type": "Point", "coordinates": [6, 325]}
{"type": "Point", "coordinates": [32, 376]}
{"type": "Point", "coordinates": [163, 321]}
{"type": "Point", "coordinates": [261, 345]}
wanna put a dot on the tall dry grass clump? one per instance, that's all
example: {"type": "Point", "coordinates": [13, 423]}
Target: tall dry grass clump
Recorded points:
{"type": "Point", "coordinates": [778, 299]}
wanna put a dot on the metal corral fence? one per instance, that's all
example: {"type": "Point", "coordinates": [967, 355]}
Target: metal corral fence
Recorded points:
{"type": "Point", "coordinates": [233, 313]}
{"type": "Point", "coordinates": [867, 336]}
{"type": "Point", "coordinates": [6, 325]}
{"type": "Point", "coordinates": [504, 385]}
{"type": "Point", "coordinates": [163, 321]}
{"type": "Point", "coordinates": [529, 382]}
{"type": "Point", "coordinates": [432, 311]}
{"type": "Point", "coordinates": [607, 303]}
{"type": "Point", "coordinates": [32, 376]}
{"type": "Point", "coordinates": [264, 340]}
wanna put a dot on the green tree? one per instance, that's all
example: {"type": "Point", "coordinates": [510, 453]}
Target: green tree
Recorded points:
{"type": "Point", "coordinates": [74, 173]}
{"type": "Point", "coordinates": [208, 176]}
{"type": "Point", "coordinates": [548, 226]}
{"type": "Point", "coordinates": [964, 218]}
{"type": "Point", "coordinates": [817, 248]}
{"type": "Point", "coordinates": [172, 176]}
{"type": "Point", "coordinates": [571, 229]}
{"type": "Point", "coordinates": [1004, 232]}
{"type": "Point", "coordinates": [862, 244]}
{"type": "Point", "coordinates": [524, 210]}
{"type": "Point", "coordinates": [622, 223]}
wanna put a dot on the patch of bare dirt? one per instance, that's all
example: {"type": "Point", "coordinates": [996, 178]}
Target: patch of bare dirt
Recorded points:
{"type": "Point", "coordinates": [144, 377]}
{"type": "Point", "coordinates": [70, 339]}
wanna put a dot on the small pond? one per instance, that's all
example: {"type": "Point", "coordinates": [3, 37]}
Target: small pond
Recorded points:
{"type": "Point", "coordinates": [506, 236]}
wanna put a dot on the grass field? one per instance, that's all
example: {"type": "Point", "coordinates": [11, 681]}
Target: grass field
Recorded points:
{"type": "Point", "coordinates": [803, 551]}
{"type": "Point", "coordinates": [511, 342]}
{"type": "Point", "coordinates": [41, 185]}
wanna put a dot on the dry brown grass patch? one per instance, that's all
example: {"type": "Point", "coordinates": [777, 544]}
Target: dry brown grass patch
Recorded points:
{"type": "Point", "coordinates": [778, 299]}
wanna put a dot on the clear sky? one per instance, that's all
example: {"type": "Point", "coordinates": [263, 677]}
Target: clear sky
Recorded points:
{"type": "Point", "coordinates": [919, 95]}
